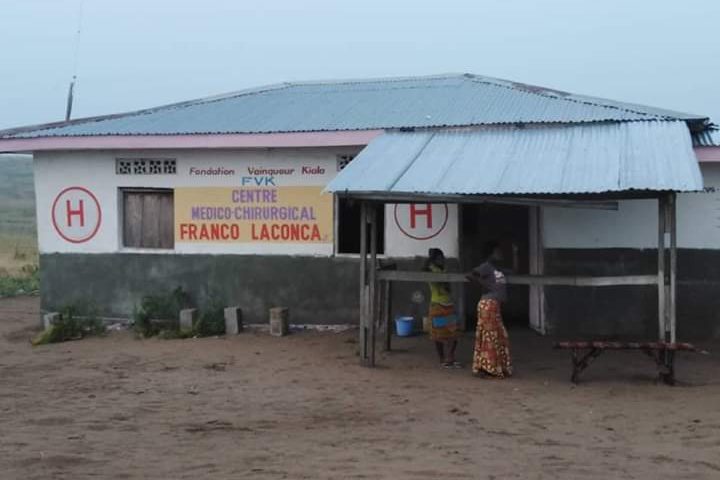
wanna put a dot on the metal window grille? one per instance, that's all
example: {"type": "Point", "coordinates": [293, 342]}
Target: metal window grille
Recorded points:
{"type": "Point", "coordinates": [123, 167]}
{"type": "Point", "coordinates": [343, 161]}
{"type": "Point", "coordinates": [139, 167]}
{"type": "Point", "coordinates": [169, 167]}
{"type": "Point", "coordinates": [145, 166]}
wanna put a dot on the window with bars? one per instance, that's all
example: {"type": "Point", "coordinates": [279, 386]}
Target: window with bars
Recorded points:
{"type": "Point", "coordinates": [148, 218]}
{"type": "Point", "coordinates": [145, 166]}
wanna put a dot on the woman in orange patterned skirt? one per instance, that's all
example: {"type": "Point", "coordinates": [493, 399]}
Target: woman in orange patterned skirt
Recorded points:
{"type": "Point", "coordinates": [491, 357]}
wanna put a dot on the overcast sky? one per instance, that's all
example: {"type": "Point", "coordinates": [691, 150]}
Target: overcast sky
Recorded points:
{"type": "Point", "coordinates": [141, 53]}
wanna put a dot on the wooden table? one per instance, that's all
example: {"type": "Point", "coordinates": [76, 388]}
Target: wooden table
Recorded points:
{"type": "Point", "coordinates": [663, 353]}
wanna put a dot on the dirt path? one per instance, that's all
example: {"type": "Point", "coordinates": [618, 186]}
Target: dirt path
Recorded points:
{"type": "Point", "coordinates": [256, 407]}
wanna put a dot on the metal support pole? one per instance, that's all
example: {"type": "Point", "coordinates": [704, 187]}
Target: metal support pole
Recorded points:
{"type": "Point", "coordinates": [372, 285]}
{"type": "Point", "coordinates": [362, 337]}
{"type": "Point", "coordinates": [662, 220]}
{"type": "Point", "coordinates": [672, 306]}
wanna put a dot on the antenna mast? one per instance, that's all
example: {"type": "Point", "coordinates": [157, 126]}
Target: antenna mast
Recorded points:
{"type": "Point", "coordinates": [76, 51]}
{"type": "Point", "coordinates": [71, 91]}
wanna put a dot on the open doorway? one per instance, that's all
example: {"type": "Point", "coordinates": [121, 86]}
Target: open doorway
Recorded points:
{"type": "Point", "coordinates": [510, 226]}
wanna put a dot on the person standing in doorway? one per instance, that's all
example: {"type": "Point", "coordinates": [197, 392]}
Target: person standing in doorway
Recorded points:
{"type": "Point", "coordinates": [444, 329]}
{"type": "Point", "coordinates": [491, 357]}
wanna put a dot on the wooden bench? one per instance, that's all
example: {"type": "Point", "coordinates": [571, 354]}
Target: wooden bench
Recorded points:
{"type": "Point", "coordinates": [584, 352]}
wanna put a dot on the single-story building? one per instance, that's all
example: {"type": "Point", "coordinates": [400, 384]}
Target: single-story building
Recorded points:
{"type": "Point", "coordinates": [226, 196]}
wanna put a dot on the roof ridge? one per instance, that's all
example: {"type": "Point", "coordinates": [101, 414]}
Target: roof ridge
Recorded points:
{"type": "Point", "coordinates": [568, 96]}
{"type": "Point", "coordinates": [286, 85]}
{"type": "Point", "coordinates": [391, 79]}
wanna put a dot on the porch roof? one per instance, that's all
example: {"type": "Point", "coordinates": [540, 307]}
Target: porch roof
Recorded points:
{"type": "Point", "coordinates": [588, 159]}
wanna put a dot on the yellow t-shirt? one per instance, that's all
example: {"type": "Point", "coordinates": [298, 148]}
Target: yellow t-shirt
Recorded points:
{"type": "Point", "coordinates": [439, 292]}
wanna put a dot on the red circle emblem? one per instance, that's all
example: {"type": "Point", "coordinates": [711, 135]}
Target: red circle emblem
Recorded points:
{"type": "Point", "coordinates": [76, 214]}
{"type": "Point", "coordinates": [421, 221]}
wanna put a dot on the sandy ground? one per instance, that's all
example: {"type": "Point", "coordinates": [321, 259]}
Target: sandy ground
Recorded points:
{"type": "Point", "coordinates": [257, 407]}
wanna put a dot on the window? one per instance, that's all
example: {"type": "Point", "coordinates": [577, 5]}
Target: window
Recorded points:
{"type": "Point", "coordinates": [148, 218]}
{"type": "Point", "coordinates": [348, 227]}
{"type": "Point", "coordinates": [145, 166]}
{"type": "Point", "coordinates": [348, 220]}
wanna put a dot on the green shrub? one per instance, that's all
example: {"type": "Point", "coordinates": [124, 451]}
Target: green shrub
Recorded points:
{"type": "Point", "coordinates": [157, 313]}
{"type": "Point", "coordinates": [77, 321]}
{"type": "Point", "coordinates": [211, 320]}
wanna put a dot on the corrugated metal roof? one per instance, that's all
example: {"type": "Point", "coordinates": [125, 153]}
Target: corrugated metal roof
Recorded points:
{"type": "Point", "coordinates": [611, 157]}
{"type": "Point", "coordinates": [707, 138]}
{"type": "Point", "coordinates": [436, 101]}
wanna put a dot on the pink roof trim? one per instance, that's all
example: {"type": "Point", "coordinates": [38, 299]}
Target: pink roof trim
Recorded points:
{"type": "Point", "coordinates": [707, 154]}
{"type": "Point", "coordinates": [250, 140]}
{"type": "Point", "coordinates": [136, 142]}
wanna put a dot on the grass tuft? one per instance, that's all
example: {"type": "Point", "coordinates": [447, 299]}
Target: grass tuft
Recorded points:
{"type": "Point", "coordinates": [77, 321]}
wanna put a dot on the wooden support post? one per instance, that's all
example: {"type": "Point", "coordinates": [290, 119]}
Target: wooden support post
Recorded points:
{"type": "Point", "coordinates": [667, 270]}
{"type": "Point", "coordinates": [462, 308]}
{"type": "Point", "coordinates": [460, 288]}
{"type": "Point", "coordinates": [372, 285]}
{"type": "Point", "coordinates": [387, 314]}
{"type": "Point", "coordinates": [537, 267]}
{"type": "Point", "coordinates": [661, 268]}
{"type": "Point", "coordinates": [362, 337]}
{"type": "Point", "coordinates": [672, 306]}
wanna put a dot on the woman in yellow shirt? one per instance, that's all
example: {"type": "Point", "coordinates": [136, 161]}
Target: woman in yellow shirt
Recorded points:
{"type": "Point", "coordinates": [444, 329]}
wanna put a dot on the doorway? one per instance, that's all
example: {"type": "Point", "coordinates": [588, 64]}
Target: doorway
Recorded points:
{"type": "Point", "coordinates": [510, 226]}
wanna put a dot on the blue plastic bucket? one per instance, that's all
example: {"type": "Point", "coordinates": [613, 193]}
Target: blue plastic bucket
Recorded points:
{"type": "Point", "coordinates": [404, 326]}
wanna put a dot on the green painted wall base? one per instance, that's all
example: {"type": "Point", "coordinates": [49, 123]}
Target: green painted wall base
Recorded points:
{"type": "Point", "coordinates": [325, 290]}
{"type": "Point", "coordinates": [317, 290]}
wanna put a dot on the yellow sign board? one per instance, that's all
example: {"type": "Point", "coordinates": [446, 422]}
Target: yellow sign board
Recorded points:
{"type": "Point", "coordinates": [254, 214]}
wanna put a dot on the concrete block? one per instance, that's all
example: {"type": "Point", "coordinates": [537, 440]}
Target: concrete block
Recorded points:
{"type": "Point", "coordinates": [233, 320]}
{"type": "Point", "coordinates": [50, 319]}
{"type": "Point", "coordinates": [279, 321]}
{"type": "Point", "coordinates": [187, 319]}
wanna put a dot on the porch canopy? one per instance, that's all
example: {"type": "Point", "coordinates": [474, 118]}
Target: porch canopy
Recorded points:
{"type": "Point", "coordinates": [587, 165]}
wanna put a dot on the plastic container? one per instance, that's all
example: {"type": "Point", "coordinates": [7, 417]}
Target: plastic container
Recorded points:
{"type": "Point", "coordinates": [404, 326]}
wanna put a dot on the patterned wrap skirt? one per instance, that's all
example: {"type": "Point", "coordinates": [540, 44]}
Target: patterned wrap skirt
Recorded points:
{"type": "Point", "coordinates": [492, 346]}
{"type": "Point", "coordinates": [443, 323]}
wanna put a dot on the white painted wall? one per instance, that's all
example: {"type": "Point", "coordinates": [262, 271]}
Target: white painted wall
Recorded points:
{"type": "Point", "coordinates": [95, 171]}
{"type": "Point", "coordinates": [635, 224]}
{"type": "Point", "coordinates": [405, 243]}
